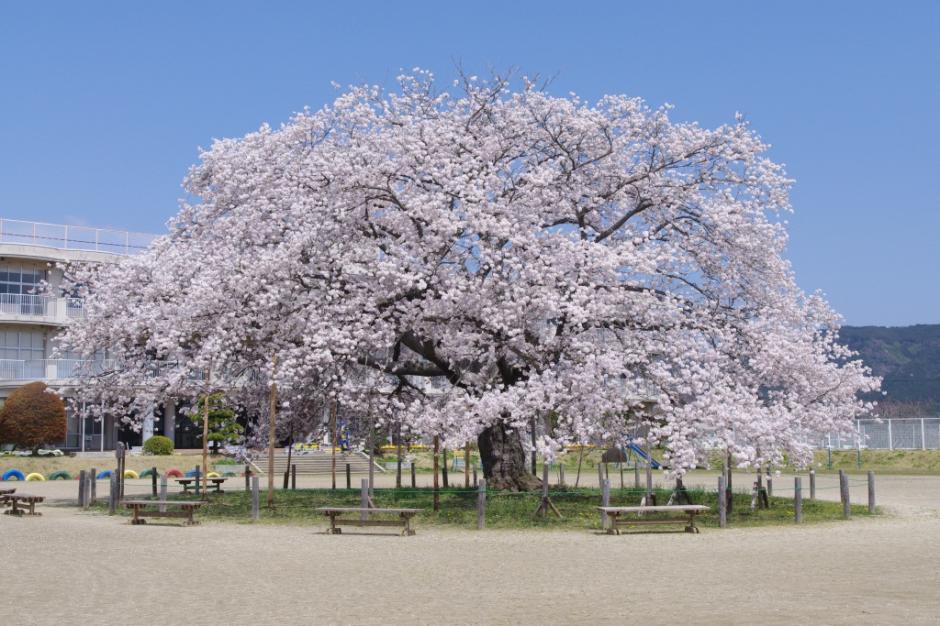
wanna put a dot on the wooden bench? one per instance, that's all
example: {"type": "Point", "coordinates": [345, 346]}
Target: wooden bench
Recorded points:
{"type": "Point", "coordinates": [18, 500]}
{"type": "Point", "coordinates": [142, 511]}
{"type": "Point", "coordinates": [195, 484]}
{"type": "Point", "coordinates": [617, 516]}
{"type": "Point", "coordinates": [335, 513]}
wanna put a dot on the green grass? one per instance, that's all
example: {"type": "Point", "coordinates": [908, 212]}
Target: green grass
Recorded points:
{"type": "Point", "coordinates": [505, 509]}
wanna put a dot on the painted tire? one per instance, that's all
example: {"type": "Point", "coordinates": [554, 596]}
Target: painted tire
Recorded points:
{"type": "Point", "coordinates": [35, 476]}
{"type": "Point", "coordinates": [174, 472]}
{"type": "Point", "coordinates": [213, 475]}
{"type": "Point", "coordinates": [146, 473]}
{"type": "Point", "coordinates": [191, 473]}
{"type": "Point", "coordinates": [131, 474]}
{"type": "Point", "coordinates": [56, 475]}
{"type": "Point", "coordinates": [104, 474]}
{"type": "Point", "coordinates": [10, 474]}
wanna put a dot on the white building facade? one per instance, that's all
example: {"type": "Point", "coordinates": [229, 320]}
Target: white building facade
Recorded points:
{"type": "Point", "coordinates": [30, 320]}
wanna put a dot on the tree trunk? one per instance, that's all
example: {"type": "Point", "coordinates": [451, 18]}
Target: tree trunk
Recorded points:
{"type": "Point", "coordinates": [503, 459]}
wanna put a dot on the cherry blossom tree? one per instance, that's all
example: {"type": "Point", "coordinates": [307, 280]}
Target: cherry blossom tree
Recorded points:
{"type": "Point", "coordinates": [462, 262]}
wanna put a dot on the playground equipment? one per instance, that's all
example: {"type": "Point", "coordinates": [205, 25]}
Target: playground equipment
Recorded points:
{"type": "Point", "coordinates": [641, 453]}
{"type": "Point", "coordinates": [146, 473]}
{"type": "Point", "coordinates": [104, 474]}
{"type": "Point", "coordinates": [60, 474]}
{"type": "Point", "coordinates": [131, 474]}
{"type": "Point", "coordinates": [213, 475]}
{"type": "Point", "coordinates": [10, 474]}
{"type": "Point", "coordinates": [175, 473]}
{"type": "Point", "coordinates": [35, 476]}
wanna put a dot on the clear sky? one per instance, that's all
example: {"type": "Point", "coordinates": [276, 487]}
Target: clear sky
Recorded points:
{"type": "Point", "coordinates": [104, 105]}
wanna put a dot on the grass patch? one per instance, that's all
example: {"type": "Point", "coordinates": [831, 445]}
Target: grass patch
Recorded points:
{"type": "Point", "coordinates": [505, 509]}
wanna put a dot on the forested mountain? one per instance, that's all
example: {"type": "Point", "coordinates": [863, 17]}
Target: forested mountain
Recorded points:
{"type": "Point", "coordinates": [907, 357]}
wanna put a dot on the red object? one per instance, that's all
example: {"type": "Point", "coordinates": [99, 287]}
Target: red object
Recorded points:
{"type": "Point", "coordinates": [174, 472]}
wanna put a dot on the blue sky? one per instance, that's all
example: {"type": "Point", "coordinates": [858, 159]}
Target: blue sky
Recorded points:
{"type": "Point", "coordinates": [104, 105]}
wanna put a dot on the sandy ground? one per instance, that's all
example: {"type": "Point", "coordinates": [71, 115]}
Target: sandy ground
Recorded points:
{"type": "Point", "coordinates": [84, 568]}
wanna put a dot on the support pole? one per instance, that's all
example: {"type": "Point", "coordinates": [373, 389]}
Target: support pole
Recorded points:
{"type": "Point", "coordinates": [247, 477]}
{"type": "Point", "coordinates": [364, 499]}
{"type": "Point", "coordinates": [333, 445]}
{"type": "Point", "coordinates": [162, 507]}
{"type": "Point", "coordinates": [444, 467]}
{"type": "Point", "coordinates": [605, 501]}
{"type": "Point", "coordinates": [481, 505]}
{"type": "Point", "coordinates": [561, 475]}
{"type": "Point", "coordinates": [722, 503]}
{"type": "Point", "coordinates": [82, 486]}
{"type": "Point", "coordinates": [153, 481]}
{"type": "Point", "coordinates": [466, 465]}
{"type": "Point", "coordinates": [437, 496]}
{"type": "Point", "coordinates": [812, 484]}
{"type": "Point", "coordinates": [114, 495]}
{"type": "Point", "coordinates": [844, 490]}
{"type": "Point", "coordinates": [255, 499]}
{"type": "Point", "coordinates": [414, 482]}
{"type": "Point", "coordinates": [797, 500]}
{"type": "Point", "coordinates": [871, 491]}
{"type": "Point", "coordinates": [348, 477]}
{"type": "Point", "coordinates": [205, 439]}
{"type": "Point", "coordinates": [398, 459]}
{"type": "Point", "coordinates": [272, 433]}
{"type": "Point", "coordinates": [293, 476]}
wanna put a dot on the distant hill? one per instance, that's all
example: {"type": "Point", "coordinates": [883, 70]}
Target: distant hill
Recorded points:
{"type": "Point", "coordinates": [907, 357]}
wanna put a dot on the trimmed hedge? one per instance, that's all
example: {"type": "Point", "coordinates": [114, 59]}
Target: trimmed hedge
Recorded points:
{"type": "Point", "coordinates": [158, 445]}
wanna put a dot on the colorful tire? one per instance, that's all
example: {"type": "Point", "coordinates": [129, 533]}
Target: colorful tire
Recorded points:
{"type": "Point", "coordinates": [104, 474]}
{"type": "Point", "coordinates": [35, 476]}
{"type": "Point", "coordinates": [174, 472]}
{"type": "Point", "coordinates": [10, 474]}
{"type": "Point", "coordinates": [213, 475]}
{"type": "Point", "coordinates": [191, 473]}
{"type": "Point", "coordinates": [56, 475]}
{"type": "Point", "coordinates": [146, 473]}
{"type": "Point", "coordinates": [131, 474]}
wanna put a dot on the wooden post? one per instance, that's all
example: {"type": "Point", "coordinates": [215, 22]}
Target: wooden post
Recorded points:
{"type": "Point", "coordinates": [444, 467]}
{"type": "Point", "coordinates": [543, 507]}
{"type": "Point", "coordinates": [437, 497]}
{"type": "Point", "coordinates": [600, 474]}
{"type": "Point", "coordinates": [729, 489]}
{"type": "Point", "coordinates": [605, 501]}
{"type": "Point", "coordinates": [82, 486]}
{"type": "Point", "coordinates": [561, 475]}
{"type": "Point", "coordinates": [636, 473]}
{"type": "Point", "coordinates": [247, 477]}
{"type": "Point", "coordinates": [112, 500]}
{"type": "Point", "coordinates": [846, 502]}
{"type": "Point", "coordinates": [371, 459]}
{"type": "Point", "coordinates": [481, 505]}
{"type": "Point", "coordinates": [119, 453]}
{"type": "Point", "coordinates": [722, 503]}
{"type": "Point", "coordinates": [650, 496]}
{"type": "Point", "coordinates": [272, 434]}
{"type": "Point", "coordinates": [287, 475]}
{"type": "Point", "coordinates": [293, 476]}
{"type": "Point", "coordinates": [621, 474]}
{"type": "Point", "coordinates": [871, 491]}
{"type": "Point", "coordinates": [364, 499]}
{"type": "Point", "coordinates": [398, 459]}
{"type": "Point", "coordinates": [333, 447]}
{"type": "Point", "coordinates": [162, 507]}
{"type": "Point", "coordinates": [414, 482]}
{"type": "Point", "coordinates": [798, 500]}
{"type": "Point", "coordinates": [348, 477]}
{"type": "Point", "coordinates": [770, 486]}
{"type": "Point", "coordinates": [205, 440]}
{"type": "Point", "coordinates": [812, 484]}
{"type": "Point", "coordinates": [199, 482]}
{"type": "Point", "coordinates": [466, 466]}
{"type": "Point", "coordinates": [255, 499]}
{"type": "Point", "coordinates": [475, 482]}
{"type": "Point", "coordinates": [153, 481]}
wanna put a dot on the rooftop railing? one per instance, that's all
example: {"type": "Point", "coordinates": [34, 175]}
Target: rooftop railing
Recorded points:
{"type": "Point", "coordinates": [52, 369]}
{"type": "Point", "coordinates": [68, 237]}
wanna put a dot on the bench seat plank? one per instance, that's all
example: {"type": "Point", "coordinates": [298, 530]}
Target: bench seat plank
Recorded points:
{"type": "Point", "coordinates": [652, 509]}
{"type": "Point", "coordinates": [340, 509]}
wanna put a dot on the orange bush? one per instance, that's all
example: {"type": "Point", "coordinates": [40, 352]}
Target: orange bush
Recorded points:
{"type": "Point", "coordinates": [32, 416]}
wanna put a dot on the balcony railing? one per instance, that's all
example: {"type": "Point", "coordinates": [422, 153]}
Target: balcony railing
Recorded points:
{"type": "Point", "coordinates": [68, 237]}
{"type": "Point", "coordinates": [52, 369]}
{"type": "Point", "coordinates": [27, 304]}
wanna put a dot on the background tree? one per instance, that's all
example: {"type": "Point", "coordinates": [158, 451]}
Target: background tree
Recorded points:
{"type": "Point", "coordinates": [488, 256]}
{"type": "Point", "coordinates": [223, 421]}
{"type": "Point", "coordinates": [33, 415]}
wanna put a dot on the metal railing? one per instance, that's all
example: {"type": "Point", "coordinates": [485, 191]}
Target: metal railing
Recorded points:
{"type": "Point", "coordinates": [918, 433]}
{"type": "Point", "coordinates": [68, 237]}
{"type": "Point", "coordinates": [52, 369]}
{"type": "Point", "coordinates": [27, 304]}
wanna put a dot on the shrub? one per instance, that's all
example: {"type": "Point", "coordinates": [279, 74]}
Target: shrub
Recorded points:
{"type": "Point", "coordinates": [158, 445]}
{"type": "Point", "coordinates": [33, 415]}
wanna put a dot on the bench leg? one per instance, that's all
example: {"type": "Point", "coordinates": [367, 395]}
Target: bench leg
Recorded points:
{"type": "Point", "coordinates": [407, 531]}
{"type": "Point", "coordinates": [691, 528]}
{"type": "Point", "coordinates": [333, 530]}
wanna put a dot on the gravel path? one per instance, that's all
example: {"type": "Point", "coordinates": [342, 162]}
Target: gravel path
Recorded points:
{"type": "Point", "coordinates": [84, 568]}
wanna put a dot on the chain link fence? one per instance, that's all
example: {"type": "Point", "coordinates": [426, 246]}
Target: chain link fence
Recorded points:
{"type": "Point", "coordinates": [922, 433]}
